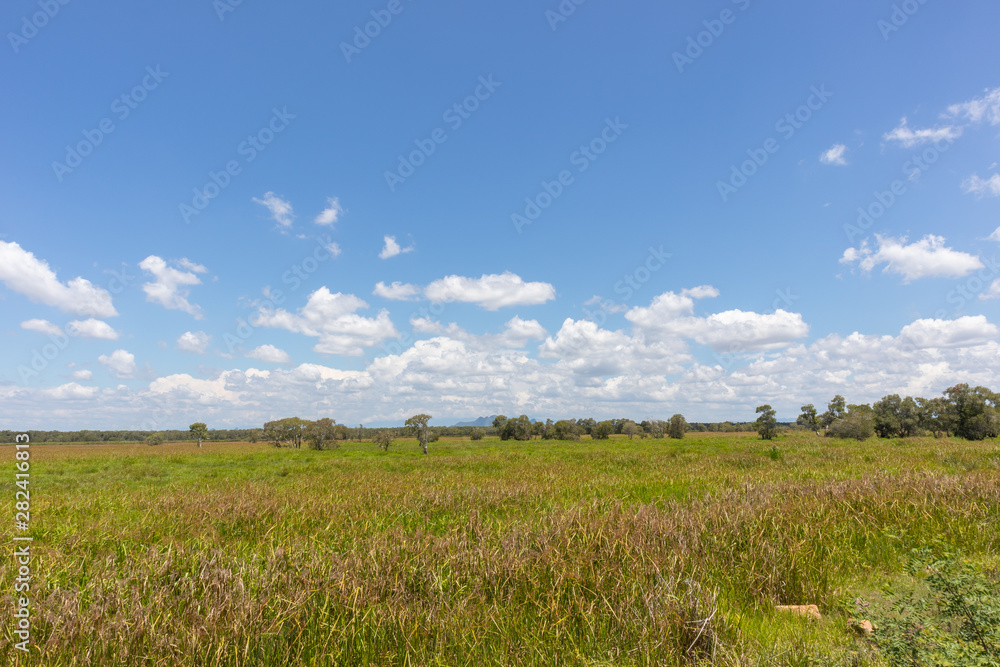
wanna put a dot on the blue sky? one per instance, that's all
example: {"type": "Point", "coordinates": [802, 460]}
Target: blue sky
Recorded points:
{"type": "Point", "coordinates": [374, 249]}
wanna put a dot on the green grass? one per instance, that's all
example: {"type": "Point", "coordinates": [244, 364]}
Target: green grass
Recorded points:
{"type": "Point", "coordinates": [489, 553]}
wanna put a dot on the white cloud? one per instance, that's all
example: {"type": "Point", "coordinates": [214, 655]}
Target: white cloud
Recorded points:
{"type": "Point", "coordinates": [976, 110]}
{"type": "Point", "coordinates": [333, 248]}
{"type": "Point", "coordinates": [194, 341]}
{"type": "Point", "coordinates": [981, 187]}
{"type": "Point", "coordinates": [25, 274]}
{"type": "Point", "coordinates": [91, 329]}
{"type": "Point", "coordinates": [71, 391]}
{"type": "Point", "coordinates": [332, 319]}
{"type": "Point", "coordinates": [397, 291]}
{"type": "Point", "coordinates": [391, 248]}
{"type": "Point", "coordinates": [993, 292]}
{"type": "Point", "coordinates": [270, 354]}
{"type": "Point", "coordinates": [966, 331]}
{"type": "Point", "coordinates": [835, 155]}
{"type": "Point", "coordinates": [82, 375]}
{"type": "Point", "coordinates": [491, 292]}
{"type": "Point", "coordinates": [171, 287]}
{"type": "Point", "coordinates": [926, 258]}
{"type": "Point", "coordinates": [41, 326]}
{"type": "Point", "coordinates": [670, 315]}
{"type": "Point", "coordinates": [120, 362]}
{"type": "Point", "coordinates": [582, 370]}
{"type": "Point", "coordinates": [331, 214]}
{"type": "Point", "coordinates": [281, 210]}
{"type": "Point", "coordinates": [909, 138]}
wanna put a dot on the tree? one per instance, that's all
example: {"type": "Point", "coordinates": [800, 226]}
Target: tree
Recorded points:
{"type": "Point", "coordinates": [808, 418]}
{"type": "Point", "coordinates": [935, 415]}
{"type": "Point", "coordinates": [630, 428]}
{"type": "Point", "coordinates": [499, 421]}
{"type": "Point", "coordinates": [896, 417]}
{"type": "Point", "coordinates": [603, 430]}
{"type": "Point", "coordinates": [656, 428]}
{"type": "Point", "coordinates": [974, 412]}
{"type": "Point", "coordinates": [477, 434]}
{"type": "Point", "coordinates": [383, 439]}
{"type": "Point", "coordinates": [254, 435]}
{"type": "Point", "coordinates": [538, 428]}
{"type": "Point", "coordinates": [835, 410]}
{"type": "Point", "coordinates": [154, 439]}
{"type": "Point", "coordinates": [418, 424]}
{"type": "Point", "coordinates": [565, 429]}
{"type": "Point", "coordinates": [321, 432]}
{"type": "Point", "coordinates": [677, 426]}
{"type": "Point", "coordinates": [766, 424]}
{"type": "Point", "coordinates": [587, 425]}
{"type": "Point", "coordinates": [858, 423]}
{"type": "Point", "coordinates": [283, 431]}
{"type": "Point", "coordinates": [200, 431]}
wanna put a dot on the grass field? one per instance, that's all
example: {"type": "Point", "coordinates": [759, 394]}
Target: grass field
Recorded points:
{"type": "Point", "coordinates": [488, 553]}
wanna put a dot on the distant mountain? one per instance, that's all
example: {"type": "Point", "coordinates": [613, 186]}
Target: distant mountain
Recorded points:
{"type": "Point", "coordinates": [482, 421]}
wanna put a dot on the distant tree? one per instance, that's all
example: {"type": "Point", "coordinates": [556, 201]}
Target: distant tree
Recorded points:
{"type": "Point", "coordinates": [587, 425]}
{"type": "Point", "coordinates": [321, 433]}
{"type": "Point", "coordinates": [383, 439]}
{"type": "Point", "coordinates": [857, 423]}
{"type": "Point", "coordinates": [477, 434]}
{"type": "Point", "coordinates": [154, 439]}
{"type": "Point", "coordinates": [766, 424]}
{"type": "Point", "coordinates": [935, 415]}
{"type": "Point", "coordinates": [836, 409]}
{"type": "Point", "coordinates": [603, 430]}
{"type": "Point", "coordinates": [281, 431]}
{"type": "Point", "coordinates": [538, 428]}
{"type": "Point", "coordinates": [254, 435]}
{"type": "Point", "coordinates": [200, 431]}
{"type": "Point", "coordinates": [518, 428]}
{"type": "Point", "coordinates": [499, 421]}
{"type": "Point", "coordinates": [973, 412]}
{"type": "Point", "coordinates": [656, 428]}
{"type": "Point", "coordinates": [418, 424]}
{"type": "Point", "coordinates": [630, 428]}
{"type": "Point", "coordinates": [809, 418]}
{"type": "Point", "coordinates": [566, 429]}
{"type": "Point", "coordinates": [677, 426]}
{"type": "Point", "coordinates": [896, 417]}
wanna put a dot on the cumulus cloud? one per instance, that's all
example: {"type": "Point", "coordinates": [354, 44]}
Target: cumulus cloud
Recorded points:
{"type": "Point", "coordinates": [993, 292]}
{"type": "Point", "coordinates": [908, 137]}
{"type": "Point", "coordinates": [194, 341]}
{"type": "Point", "coordinates": [582, 369]}
{"type": "Point", "coordinates": [91, 329]}
{"type": "Point", "coordinates": [397, 291]}
{"type": "Point", "coordinates": [979, 109]}
{"type": "Point", "coordinates": [966, 331]}
{"type": "Point", "coordinates": [492, 292]}
{"type": "Point", "coordinates": [171, 287]}
{"type": "Point", "coordinates": [270, 354]}
{"type": "Point", "coordinates": [41, 326]}
{"type": "Point", "coordinates": [25, 274]}
{"type": "Point", "coordinates": [926, 258]}
{"type": "Point", "coordinates": [71, 391]}
{"type": "Point", "coordinates": [834, 155]}
{"type": "Point", "coordinates": [331, 214]}
{"type": "Point", "coordinates": [119, 362]}
{"type": "Point", "coordinates": [280, 209]}
{"type": "Point", "coordinates": [332, 318]}
{"type": "Point", "coordinates": [391, 248]}
{"type": "Point", "coordinates": [982, 187]}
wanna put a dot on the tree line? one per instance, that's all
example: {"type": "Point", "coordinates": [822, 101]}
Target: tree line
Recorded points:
{"type": "Point", "coordinates": [963, 411]}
